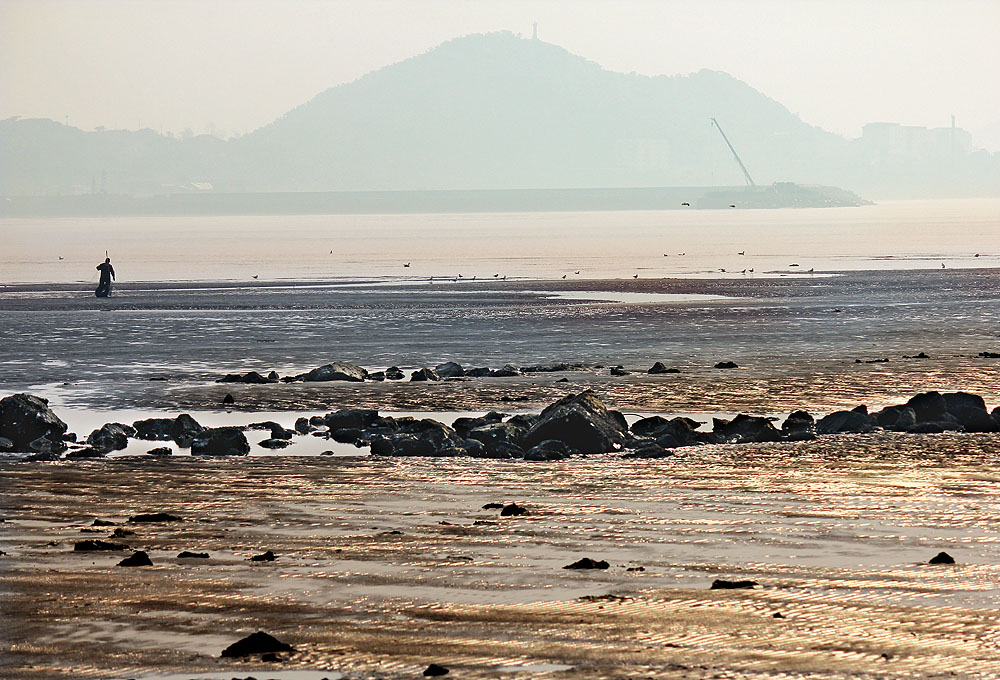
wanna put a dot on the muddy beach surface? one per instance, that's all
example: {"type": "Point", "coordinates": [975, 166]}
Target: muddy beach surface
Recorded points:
{"type": "Point", "coordinates": [386, 566]}
{"type": "Point", "coordinates": [836, 532]}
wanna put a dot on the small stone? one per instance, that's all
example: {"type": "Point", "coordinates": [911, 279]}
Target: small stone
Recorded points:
{"type": "Point", "coordinates": [154, 517]}
{"type": "Point", "coordinates": [265, 557]}
{"type": "Point", "coordinates": [434, 670]}
{"type": "Point", "coordinates": [513, 510]}
{"type": "Point", "coordinates": [726, 364]}
{"type": "Point", "coordinates": [192, 555]}
{"type": "Point", "coordinates": [256, 643]}
{"type": "Point", "coordinates": [86, 546]}
{"type": "Point", "coordinates": [136, 559]}
{"type": "Point", "coordinates": [587, 563]}
{"type": "Point", "coordinates": [493, 506]}
{"type": "Point", "coordinates": [942, 558]}
{"type": "Point", "coordinates": [228, 399]}
{"type": "Point", "coordinates": [719, 584]}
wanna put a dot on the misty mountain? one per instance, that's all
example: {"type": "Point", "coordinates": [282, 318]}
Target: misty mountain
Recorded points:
{"type": "Point", "coordinates": [487, 111]}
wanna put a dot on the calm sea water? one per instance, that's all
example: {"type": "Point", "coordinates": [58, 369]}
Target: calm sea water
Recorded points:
{"type": "Point", "coordinates": [891, 235]}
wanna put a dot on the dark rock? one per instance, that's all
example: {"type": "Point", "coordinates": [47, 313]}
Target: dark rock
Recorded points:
{"type": "Point", "coordinates": [550, 449]}
{"type": "Point", "coordinates": [256, 643]}
{"type": "Point", "coordinates": [492, 506]}
{"type": "Point", "coordinates": [449, 369]}
{"type": "Point", "coordinates": [929, 406]}
{"type": "Point", "coordinates": [6, 445]}
{"type": "Point", "coordinates": [989, 355]}
{"type": "Point", "coordinates": [317, 421]}
{"type": "Point", "coordinates": [799, 421]}
{"type": "Point", "coordinates": [264, 557]}
{"type": "Point", "coordinates": [525, 420]}
{"type": "Point", "coordinates": [303, 426]}
{"type": "Point", "coordinates": [941, 558]}
{"type": "Point", "coordinates": [137, 559]}
{"type": "Point", "coordinates": [228, 399]}
{"type": "Point", "coordinates": [156, 429]}
{"type": "Point", "coordinates": [25, 419]}
{"type": "Point", "coordinates": [653, 449]}
{"type": "Point", "coordinates": [102, 523]}
{"type": "Point", "coordinates": [580, 421]}
{"type": "Point", "coordinates": [508, 371]}
{"type": "Point", "coordinates": [935, 427]}
{"type": "Point", "coordinates": [513, 510]}
{"type": "Point", "coordinates": [273, 443]}
{"type": "Point", "coordinates": [83, 454]}
{"type": "Point", "coordinates": [657, 368]}
{"type": "Point", "coordinates": [338, 370]}
{"type": "Point", "coordinates": [110, 437]}
{"type": "Point", "coordinates": [744, 429]}
{"type": "Point", "coordinates": [347, 435]}
{"type": "Point", "coordinates": [251, 378]}
{"type": "Point", "coordinates": [377, 376]}
{"type": "Point", "coordinates": [916, 356]}
{"type": "Point", "coordinates": [382, 446]}
{"type": "Point", "coordinates": [270, 657]}
{"type": "Point", "coordinates": [273, 376]}
{"type": "Point", "coordinates": [553, 368]}
{"type": "Point", "coordinates": [160, 452]}
{"type": "Point", "coordinates": [648, 427]}
{"type": "Point", "coordinates": [480, 372]}
{"type": "Point", "coordinates": [719, 584]}
{"type": "Point", "coordinates": [220, 441]}
{"type": "Point", "coordinates": [973, 419]}
{"type": "Point", "coordinates": [587, 563]}
{"type": "Point", "coordinates": [474, 448]}
{"type": "Point", "coordinates": [498, 435]}
{"type": "Point", "coordinates": [563, 380]}
{"type": "Point", "coordinates": [862, 409]}
{"type": "Point", "coordinates": [358, 418]}
{"type": "Point", "coordinates": [184, 555]}
{"type": "Point", "coordinates": [394, 373]}
{"type": "Point", "coordinates": [121, 533]}
{"type": "Point", "coordinates": [842, 422]}
{"type": "Point", "coordinates": [91, 545]}
{"type": "Point", "coordinates": [619, 371]}
{"type": "Point", "coordinates": [435, 670]}
{"type": "Point", "coordinates": [726, 364]}
{"type": "Point", "coordinates": [464, 425]}
{"type": "Point", "coordinates": [423, 375]}
{"type": "Point", "coordinates": [896, 418]}
{"type": "Point", "coordinates": [154, 517]}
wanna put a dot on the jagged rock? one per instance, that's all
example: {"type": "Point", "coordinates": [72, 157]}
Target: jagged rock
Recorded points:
{"type": "Point", "coordinates": [251, 378]}
{"type": "Point", "coordinates": [110, 437]}
{"type": "Point", "coordinates": [843, 422]}
{"type": "Point", "coordinates": [969, 410]}
{"type": "Point", "coordinates": [228, 399]}
{"type": "Point", "coordinates": [474, 448]}
{"type": "Point", "coordinates": [423, 375]}
{"type": "Point", "coordinates": [449, 369]}
{"type": "Point", "coordinates": [185, 555]}
{"type": "Point", "coordinates": [513, 510]}
{"type": "Point", "coordinates": [256, 643]}
{"type": "Point", "coordinates": [394, 373]}
{"type": "Point", "coordinates": [744, 429]}
{"type": "Point", "coordinates": [941, 558]}
{"type": "Point", "coordinates": [220, 441]}
{"type": "Point", "coordinates": [25, 419]}
{"type": "Point", "coordinates": [338, 370]}
{"type": "Point", "coordinates": [582, 422]}
{"type": "Point", "coordinates": [181, 429]}
{"type": "Point", "coordinates": [726, 364]}
{"type": "Point", "coordinates": [154, 517]}
{"type": "Point", "coordinates": [137, 559]}
{"type": "Point", "coordinates": [719, 584]}
{"type": "Point", "coordinates": [659, 368]}
{"type": "Point", "coordinates": [92, 545]}
{"type": "Point", "coordinates": [587, 563]}
{"type": "Point", "coordinates": [928, 406]}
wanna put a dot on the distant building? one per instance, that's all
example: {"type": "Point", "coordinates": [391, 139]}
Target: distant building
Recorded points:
{"type": "Point", "coordinates": [884, 141]}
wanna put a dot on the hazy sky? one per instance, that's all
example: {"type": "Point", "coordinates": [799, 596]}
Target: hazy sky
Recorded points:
{"type": "Point", "coordinates": [238, 64]}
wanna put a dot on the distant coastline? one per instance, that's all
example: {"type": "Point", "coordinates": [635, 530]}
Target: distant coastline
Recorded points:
{"type": "Point", "coordinates": [399, 202]}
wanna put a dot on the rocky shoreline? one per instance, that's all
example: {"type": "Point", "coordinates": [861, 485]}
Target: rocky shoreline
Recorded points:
{"type": "Point", "coordinates": [576, 424]}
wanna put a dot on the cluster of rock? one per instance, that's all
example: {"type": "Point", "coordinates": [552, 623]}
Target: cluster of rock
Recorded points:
{"type": "Point", "coordinates": [575, 424]}
{"type": "Point", "coordinates": [344, 371]}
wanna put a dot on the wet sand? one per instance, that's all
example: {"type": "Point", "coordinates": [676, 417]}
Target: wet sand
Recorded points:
{"type": "Point", "coordinates": [385, 566]}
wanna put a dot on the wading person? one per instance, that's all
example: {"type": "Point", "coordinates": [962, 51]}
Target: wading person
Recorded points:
{"type": "Point", "coordinates": [107, 275]}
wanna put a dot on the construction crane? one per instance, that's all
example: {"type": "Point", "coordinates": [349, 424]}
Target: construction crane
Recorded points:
{"type": "Point", "coordinates": [750, 182]}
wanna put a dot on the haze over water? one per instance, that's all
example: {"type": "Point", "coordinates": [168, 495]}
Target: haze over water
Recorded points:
{"type": "Point", "coordinates": [890, 235]}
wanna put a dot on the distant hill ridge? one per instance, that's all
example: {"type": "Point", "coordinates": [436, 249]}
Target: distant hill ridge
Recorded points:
{"type": "Point", "coordinates": [492, 111]}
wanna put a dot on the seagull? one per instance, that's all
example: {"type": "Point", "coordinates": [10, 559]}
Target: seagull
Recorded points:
{"type": "Point", "coordinates": [635, 276]}
{"type": "Point", "coordinates": [564, 276]}
{"type": "Point", "coordinates": [744, 271]}
{"type": "Point", "coordinates": [977, 255]}
{"type": "Point", "coordinates": [750, 270]}
{"type": "Point", "coordinates": [255, 276]}
{"type": "Point", "coordinates": [682, 253]}
{"type": "Point", "coordinates": [812, 269]}
{"type": "Point", "coordinates": [732, 205]}
{"type": "Point", "coordinates": [473, 277]}
{"type": "Point", "coordinates": [665, 255]}
{"type": "Point", "coordinates": [496, 276]}
{"type": "Point", "coordinates": [793, 265]}
{"type": "Point", "coordinates": [61, 257]}
{"type": "Point", "coordinates": [504, 278]}
{"type": "Point", "coordinates": [459, 276]}
{"type": "Point", "coordinates": [742, 252]}
{"type": "Point", "coordinates": [407, 264]}
{"type": "Point", "coordinates": [577, 271]}
{"type": "Point", "coordinates": [686, 203]}
{"type": "Point", "coordinates": [942, 265]}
